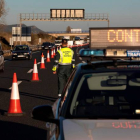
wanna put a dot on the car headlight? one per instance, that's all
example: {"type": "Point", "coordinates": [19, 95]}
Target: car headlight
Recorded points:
{"type": "Point", "coordinates": [14, 53]}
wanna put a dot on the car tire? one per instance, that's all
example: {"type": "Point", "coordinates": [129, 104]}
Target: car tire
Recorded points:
{"type": "Point", "coordinates": [30, 57]}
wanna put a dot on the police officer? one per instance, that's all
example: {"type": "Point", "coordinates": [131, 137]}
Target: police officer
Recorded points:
{"type": "Point", "coordinates": [63, 64]}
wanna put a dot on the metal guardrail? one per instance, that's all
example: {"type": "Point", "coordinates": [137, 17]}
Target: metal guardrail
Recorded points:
{"type": "Point", "coordinates": [46, 16]}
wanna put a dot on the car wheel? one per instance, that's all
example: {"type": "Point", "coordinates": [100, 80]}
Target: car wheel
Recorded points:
{"type": "Point", "coordinates": [30, 57]}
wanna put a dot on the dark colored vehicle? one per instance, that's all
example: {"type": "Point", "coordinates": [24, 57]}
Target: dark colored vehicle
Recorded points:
{"type": "Point", "coordinates": [1, 59]}
{"type": "Point", "coordinates": [101, 100]}
{"type": "Point", "coordinates": [53, 45]}
{"type": "Point", "coordinates": [22, 51]}
{"type": "Point", "coordinates": [47, 45]}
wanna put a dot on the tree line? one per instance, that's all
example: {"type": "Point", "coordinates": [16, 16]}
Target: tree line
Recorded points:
{"type": "Point", "coordinates": [3, 12]}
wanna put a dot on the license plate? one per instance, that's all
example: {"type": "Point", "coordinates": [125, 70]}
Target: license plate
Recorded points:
{"type": "Point", "coordinates": [21, 56]}
{"type": "Point", "coordinates": [135, 53]}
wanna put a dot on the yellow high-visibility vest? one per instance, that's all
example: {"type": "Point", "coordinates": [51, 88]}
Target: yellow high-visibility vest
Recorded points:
{"type": "Point", "coordinates": [66, 55]}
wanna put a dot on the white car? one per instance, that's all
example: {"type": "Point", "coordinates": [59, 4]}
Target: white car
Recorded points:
{"type": "Point", "coordinates": [101, 101]}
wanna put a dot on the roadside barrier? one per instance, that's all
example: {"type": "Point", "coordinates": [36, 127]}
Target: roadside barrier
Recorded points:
{"type": "Point", "coordinates": [35, 73]}
{"type": "Point", "coordinates": [42, 64]}
{"type": "Point", "coordinates": [48, 57]}
{"type": "Point", "coordinates": [14, 106]}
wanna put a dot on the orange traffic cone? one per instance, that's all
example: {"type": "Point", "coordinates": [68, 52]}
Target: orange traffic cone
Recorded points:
{"type": "Point", "coordinates": [48, 57]}
{"type": "Point", "coordinates": [35, 72]}
{"type": "Point", "coordinates": [42, 64]}
{"type": "Point", "coordinates": [52, 56]}
{"type": "Point", "coordinates": [14, 106]}
{"type": "Point", "coordinates": [54, 51]}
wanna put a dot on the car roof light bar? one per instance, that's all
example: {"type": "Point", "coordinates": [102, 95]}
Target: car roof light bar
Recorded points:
{"type": "Point", "coordinates": [109, 53]}
{"type": "Point", "coordinates": [89, 53]}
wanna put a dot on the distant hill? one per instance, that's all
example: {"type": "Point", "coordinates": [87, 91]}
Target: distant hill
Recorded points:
{"type": "Point", "coordinates": [34, 29]}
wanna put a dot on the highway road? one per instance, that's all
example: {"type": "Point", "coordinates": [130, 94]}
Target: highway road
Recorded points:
{"type": "Point", "coordinates": [31, 95]}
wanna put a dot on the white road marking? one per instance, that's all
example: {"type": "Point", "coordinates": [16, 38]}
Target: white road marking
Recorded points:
{"type": "Point", "coordinates": [35, 52]}
{"type": "Point", "coordinates": [44, 58]}
{"type": "Point", "coordinates": [30, 71]}
{"type": "Point", "coordinates": [18, 82]}
{"type": "Point", "coordinates": [38, 63]}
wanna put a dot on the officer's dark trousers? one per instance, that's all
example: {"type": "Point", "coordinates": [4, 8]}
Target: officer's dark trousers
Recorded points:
{"type": "Point", "coordinates": [63, 75]}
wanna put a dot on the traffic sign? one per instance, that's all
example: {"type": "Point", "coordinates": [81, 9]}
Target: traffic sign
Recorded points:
{"type": "Point", "coordinates": [39, 40]}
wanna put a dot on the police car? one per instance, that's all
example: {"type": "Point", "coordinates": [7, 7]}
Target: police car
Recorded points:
{"type": "Point", "coordinates": [101, 100]}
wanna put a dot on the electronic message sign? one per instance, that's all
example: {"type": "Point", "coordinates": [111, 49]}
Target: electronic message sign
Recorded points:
{"type": "Point", "coordinates": [114, 37]}
{"type": "Point", "coordinates": [67, 13]}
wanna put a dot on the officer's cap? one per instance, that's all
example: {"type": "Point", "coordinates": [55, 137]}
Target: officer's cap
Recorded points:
{"type": "Point", "coordinates": [64, 41]}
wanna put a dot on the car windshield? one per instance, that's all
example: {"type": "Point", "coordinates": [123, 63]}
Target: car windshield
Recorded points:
{"type": "Point", "coordinates": [107, 95]}
{"type": "Point", "coordinates": [18, 48]}
{"type": "Point", "coordinates": [46, 43]}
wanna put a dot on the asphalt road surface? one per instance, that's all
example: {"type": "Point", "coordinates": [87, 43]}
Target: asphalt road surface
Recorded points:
{"type": "Point", "coordinates": [31, 95]}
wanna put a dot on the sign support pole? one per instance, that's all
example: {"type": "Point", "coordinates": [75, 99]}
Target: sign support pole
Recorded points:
{"type": "Point", "coordinates": [11, 42]}
{"type": "Point", "coordinates": [20, 28]}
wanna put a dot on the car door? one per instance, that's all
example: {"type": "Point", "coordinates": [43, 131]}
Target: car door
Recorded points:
{"type": "Point", "coordinates": [53, 130]}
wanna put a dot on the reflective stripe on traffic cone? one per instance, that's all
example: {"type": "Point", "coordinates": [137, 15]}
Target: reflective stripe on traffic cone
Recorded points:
{"type": "Point", "coordinates": [42, 64]}
{"type": "Point", "coordinates": [59, 47]}
{"type": "Point", "coordinates": [52, 56]}
{"type": "Point", "coordinates": [35, 72]}
{"type": "Point", "coordinates": [48, 56]}
{"type": "Point", "coordinates": [54, 51]}
{"type": "Point", "coordinates": [14, 106]}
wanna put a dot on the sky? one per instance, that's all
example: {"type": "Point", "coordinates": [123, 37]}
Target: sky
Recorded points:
{"type": "Point", "coordinates": [122, 13]}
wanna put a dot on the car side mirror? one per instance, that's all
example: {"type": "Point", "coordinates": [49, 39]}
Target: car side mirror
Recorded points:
{"type": "Point", "coordinates": [44, 113]}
